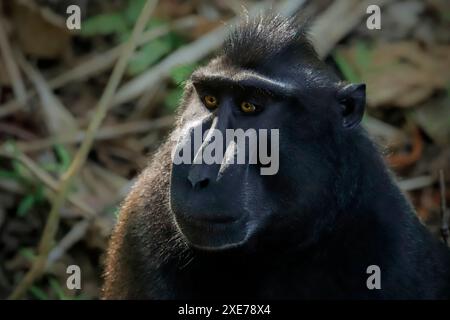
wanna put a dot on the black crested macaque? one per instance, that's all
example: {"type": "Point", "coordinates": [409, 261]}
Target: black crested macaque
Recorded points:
{"type": "Point", "coordinates": [309, 231]}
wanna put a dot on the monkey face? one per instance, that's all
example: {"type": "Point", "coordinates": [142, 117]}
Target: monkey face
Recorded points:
{"type": "Point", "coordinates": [251, 150]}
{"type": "Point", "coordinates": [217, 183]}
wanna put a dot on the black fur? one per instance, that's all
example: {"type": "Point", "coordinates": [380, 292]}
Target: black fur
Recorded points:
{"type": "Point", "coordinates": [332, 210]}
{"type": "Point", "coordinates": [258, 41]}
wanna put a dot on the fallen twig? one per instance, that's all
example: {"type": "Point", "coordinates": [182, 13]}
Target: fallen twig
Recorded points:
{"type": "Point", "coordinates": [416, 183]}
{"type": "Point", "coordinates": [104, 133]}
{"type": "Point", "coordinates": [73, 236]}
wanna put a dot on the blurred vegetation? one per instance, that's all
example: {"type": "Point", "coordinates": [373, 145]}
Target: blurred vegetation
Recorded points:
{"type": "Point", "coordinates": [406, 67]}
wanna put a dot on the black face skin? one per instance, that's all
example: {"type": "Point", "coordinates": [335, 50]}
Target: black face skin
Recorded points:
{"type": "Point", "coordinates": [307, 232]}
{"type": "Point", "coordinates": [206, 214]}
{"type": "Point", "coordinates": [307, 107]}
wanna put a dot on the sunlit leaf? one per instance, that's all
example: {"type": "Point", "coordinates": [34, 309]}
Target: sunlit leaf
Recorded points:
{"type": "Point", "coordinates": [104, 24]}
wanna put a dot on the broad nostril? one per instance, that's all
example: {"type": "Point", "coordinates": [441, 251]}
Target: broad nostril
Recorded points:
{"type": "Point", "coordinates": [198, 183]}
{"type": "Point", "coordinates": [203, 183]}
{"type": "Point", "coordinates": [201, 175]}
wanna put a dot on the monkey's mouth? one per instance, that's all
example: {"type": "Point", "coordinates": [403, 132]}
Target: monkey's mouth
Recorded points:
{"type": "Point", "coordinates": [214, 233]}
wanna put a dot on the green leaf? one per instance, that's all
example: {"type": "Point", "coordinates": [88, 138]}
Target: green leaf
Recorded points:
{"type": "Point", "coordinates": [345, 67]}
{"type": "Point", "coordinates": [181, 73]}
{"type": "Point", "coordinates": [363, 55]}
{"type": "Point", "coordinates": [51, 167]}
{"type": "Point", "coordinates": [38, 293]}
{"type": "Point", "coordinates": [28, 253]}
{"type": "Point", "coordinates": [148, 55]}
{"type": "Point", "coordinates": [10, 175]}
{"type": "Point", "coordinates": [63, 162]}
{"type": "Point", "coordinates": [123, 36]}
{"type": "Point", "coordinates": [57, 289]}
{"type": "Point", "coordinates": [63, 157]}
{"type": "Point", "coordinates": [175, 39]}
{"type": "Point", "coordinates": [19, 168]}
{"type": "Point", "coordinates": [39, 195]}
{"type": "Point", "coordinates": [104, 24]}
{"type": "Point", "coordinates": [114, 211]}
{"type": "Point", "coordinates": [154, 23]}
{"type": "Point", "coordinates": [133, 10]}
{"type": "Point", "coordinates": [25, 205]}
{"type": "Point", "coordinates": [10, 146]}
{"type": "Point", "coordinates": [445, 15]}
{"type": "Point", "coordinates": [173, 98]}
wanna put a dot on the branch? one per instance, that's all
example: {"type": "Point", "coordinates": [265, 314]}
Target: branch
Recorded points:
{"type": "Point", "coordinates": [104, 133]}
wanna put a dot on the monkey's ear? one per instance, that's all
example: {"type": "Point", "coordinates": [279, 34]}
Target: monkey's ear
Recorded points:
{"type": "Point", "coordinates": [352, 99]}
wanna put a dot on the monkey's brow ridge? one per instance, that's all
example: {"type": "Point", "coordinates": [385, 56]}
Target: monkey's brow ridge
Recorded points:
{"type": "Point", "coordinates": [245, 79]}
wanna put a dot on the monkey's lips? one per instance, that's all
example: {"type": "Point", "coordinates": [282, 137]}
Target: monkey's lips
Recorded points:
{"type": "Point", "coordinates": [214, 232]}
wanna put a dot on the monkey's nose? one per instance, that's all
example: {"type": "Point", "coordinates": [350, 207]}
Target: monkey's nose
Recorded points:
{"type": "Point", "coordinates": [197, 179]}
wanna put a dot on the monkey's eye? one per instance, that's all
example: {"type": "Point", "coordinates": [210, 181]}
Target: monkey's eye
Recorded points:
{"type": "Point", "coordinates": [211, 102]}
{"type": "Point", "coordinates": [248, 107]}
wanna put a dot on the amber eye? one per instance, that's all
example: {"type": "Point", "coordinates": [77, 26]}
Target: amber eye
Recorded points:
{"type": "Point", "coordinates": [248, 107]}
{"type": "Point", "coordinates": [211, 102]}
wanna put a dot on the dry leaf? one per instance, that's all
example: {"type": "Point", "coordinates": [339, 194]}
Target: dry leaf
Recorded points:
{"type": "Point", "coordinates": [434, 119]}
{"type": "Point", "coordinates": [57, 118]}
{"type": "Point", "coordinates": [402, 74]}
{"type": "Point", "coordinates": [36, 35]}
{"type": "Point", "coordinates": [175, 8]}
